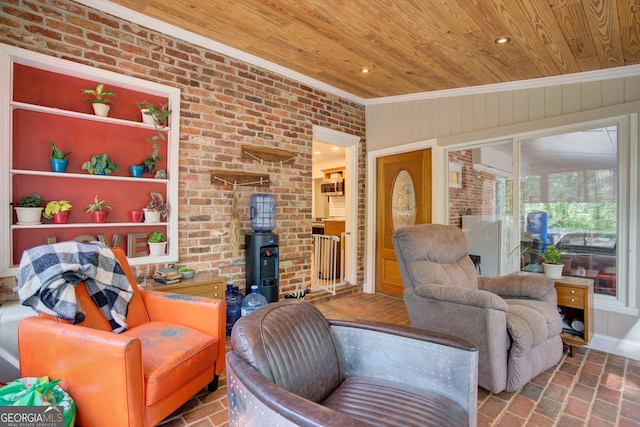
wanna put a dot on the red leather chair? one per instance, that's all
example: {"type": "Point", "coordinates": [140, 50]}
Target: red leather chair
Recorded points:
{"type": "Point", "coordinates": [173, 347]}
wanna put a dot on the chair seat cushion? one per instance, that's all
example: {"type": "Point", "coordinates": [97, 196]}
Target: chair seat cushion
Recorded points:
{"type": "Point", "coordinates": [384, 403]}
{"type": "Point", "coordinates": [171, 355]}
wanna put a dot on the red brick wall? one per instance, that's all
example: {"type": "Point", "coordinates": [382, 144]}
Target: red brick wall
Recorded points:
{"type": "Point", "coordinates": [477, 195]}
{"type": "Point", "coordinates": [226, 103]}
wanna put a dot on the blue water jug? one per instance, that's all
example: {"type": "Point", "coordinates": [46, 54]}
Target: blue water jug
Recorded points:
{"type": "Point", "coordinates": [253, 301]}
{"type": "Point", "coordinates": [262, 212]}
{"type": "Point", "coordinates": [234, 306]}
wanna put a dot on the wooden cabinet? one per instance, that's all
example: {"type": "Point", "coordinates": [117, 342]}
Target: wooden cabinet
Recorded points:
{"type": "Point", "coordinates": [204, 285]}
{"type": "Point", "coordinates": [41, 101]}
{"type": "Point", "coordinates": [575, 301]}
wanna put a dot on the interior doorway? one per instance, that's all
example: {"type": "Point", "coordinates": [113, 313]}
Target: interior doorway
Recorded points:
{"type": "Point", "coordinates": [337, 155]}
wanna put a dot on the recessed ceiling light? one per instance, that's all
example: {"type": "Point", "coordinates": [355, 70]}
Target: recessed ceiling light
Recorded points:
{"type": "Point", "coordinates": [364, 70]}
{"type": "Point", "coordinates": [317, 152]}
{"type": "Point", "coordinates": [334, 148]}
{"type": "Point", "coordinates": [502, 40]}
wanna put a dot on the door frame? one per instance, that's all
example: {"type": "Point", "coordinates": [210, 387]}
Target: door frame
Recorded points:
{"type": "Point", "coordinates": [437, 190]}
{"type": "Point", "coordinates": [350, 143]}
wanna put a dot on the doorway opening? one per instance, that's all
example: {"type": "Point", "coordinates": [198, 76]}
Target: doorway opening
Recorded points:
{"type": "Point", "coordinates": [334, 209]}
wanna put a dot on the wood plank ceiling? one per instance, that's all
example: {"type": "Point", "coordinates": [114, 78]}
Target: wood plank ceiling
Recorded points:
{"type": "Point", "coordinates": [412, 46]}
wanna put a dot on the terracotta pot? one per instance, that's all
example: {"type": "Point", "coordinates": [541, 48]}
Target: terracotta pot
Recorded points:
{"type": "Point", "coordinates": [60, 217]}
{"type": "Point", "coordinates": [99, 216]}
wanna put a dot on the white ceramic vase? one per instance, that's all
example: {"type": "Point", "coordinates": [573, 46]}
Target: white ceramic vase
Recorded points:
{"type": "Point", "coordinates": [28, 216]}
{"type": "Point", "coordinates": [151, 216]}
{"type": "Point", "coordinates": [157, 249]}
{"type": "Point", "coordinates": [553, 271]}
{"type": "Point", "coordinates": [101, 110]}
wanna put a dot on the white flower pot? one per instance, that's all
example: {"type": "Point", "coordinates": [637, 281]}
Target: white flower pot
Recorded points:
{"type": "Point", "coordinates": [553, 271]}
{"type": "Point", "coordinates": [101, 110]}
{"type": "Point", "coordinates": [151, 216]}
{"type": "Point", "coordinates": [28, 216]}
{"type": "Point", "coordinates": [146, 118]}
{"type": "Point", "coordinates": [157, 249]}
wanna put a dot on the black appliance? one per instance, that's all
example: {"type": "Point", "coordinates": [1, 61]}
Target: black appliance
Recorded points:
{"type": "Point", "coordinates": [262, 264]}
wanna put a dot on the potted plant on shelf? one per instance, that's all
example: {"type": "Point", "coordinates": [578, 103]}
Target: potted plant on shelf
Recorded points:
{"type": "Point", "coordinates": [157, 243]}
{"type": "Point", "coordinates": [187, 272]}
{"type": "Point", "coordinates": [157, 115]}
{"type": "Point", "coordinates": [57, 158]}
{"type": "Point", "coordinates": [58, 210]}
{"type": "Point", "coordinates": [29, 209]}
{"type": "Point", "coordinates": [100, 101]}
{"type": "Point", "coordinates": [156, 208]}
{"type": "Point", "coordinates": [98, 210]}
{"type": "Point", "coordinates": [551, 262]}
{"type": "Point", "coordinates": [100, 164]}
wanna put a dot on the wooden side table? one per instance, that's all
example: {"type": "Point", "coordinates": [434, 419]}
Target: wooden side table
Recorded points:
{"type": "Point", "coordinates": [575, 300]}
{"type": "Point", "coordinates": [204, 285]}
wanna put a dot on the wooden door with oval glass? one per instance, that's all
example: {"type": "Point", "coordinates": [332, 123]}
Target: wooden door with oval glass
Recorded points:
{"type": "Point", "coordinates": [403, 197]}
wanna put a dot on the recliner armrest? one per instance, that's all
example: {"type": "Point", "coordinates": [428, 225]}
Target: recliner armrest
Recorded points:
{"type": "Point", "coordinates": [519, 286]}
{"type": "Point", "coordinates": [472, 297]}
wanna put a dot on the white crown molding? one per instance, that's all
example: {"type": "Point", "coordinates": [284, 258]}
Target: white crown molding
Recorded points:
{"type": "Point", "coordinates": [157, 25]}
{"type": "Point", "coordinates": [583, 77]}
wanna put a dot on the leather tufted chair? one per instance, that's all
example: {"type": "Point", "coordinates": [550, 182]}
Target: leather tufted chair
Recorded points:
{"type": "Point", "coordinates": [513, 319]}
{"type": "Point", "coordinates": [291, 367]}
{"type": "Point", "coordinates": [173, 348]}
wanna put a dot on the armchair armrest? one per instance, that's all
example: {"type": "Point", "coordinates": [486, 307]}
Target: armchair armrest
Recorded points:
{"type": "Point", "coordinates": [205, 314]}
{"type": "Point", "coordinates": [519, 286]}
{"type": "Point", "coordinates": [434, 362]}
{"type": "Point", "coordinates": [91, 363]}
{"type": "Point", "coordinates": [255, 400]}
{"type": "Point", "coordinates": [465, 296]}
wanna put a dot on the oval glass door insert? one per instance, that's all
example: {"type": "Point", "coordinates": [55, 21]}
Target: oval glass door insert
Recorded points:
{"type": "Point", "coordinates": [403, 201]}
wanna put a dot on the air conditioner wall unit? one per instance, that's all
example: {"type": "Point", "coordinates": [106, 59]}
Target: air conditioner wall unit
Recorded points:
{"type": "Point", "coordinates": [490, 160]}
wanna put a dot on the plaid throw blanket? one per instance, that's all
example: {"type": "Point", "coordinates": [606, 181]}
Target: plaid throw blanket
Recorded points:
{"type": "Point", "coordinates": [48, 275]}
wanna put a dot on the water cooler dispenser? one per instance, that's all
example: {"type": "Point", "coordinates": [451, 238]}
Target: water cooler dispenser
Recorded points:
{"type": "Point", "coordinates": [262, 251]}
{"type": "Point", "coordinates": [262, 264]}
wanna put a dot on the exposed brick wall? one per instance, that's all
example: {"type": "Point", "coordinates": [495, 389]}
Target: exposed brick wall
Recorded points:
{"type": "Point", "coordinates": [477, 195]}
{"type": "Point", "coordinates": [226, 103]}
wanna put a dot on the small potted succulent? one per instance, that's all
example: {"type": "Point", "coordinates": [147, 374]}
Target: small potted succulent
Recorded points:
{"type": "Point", "coordinates": [156, 208]}
{"type": "Point", "coordinates": [187, 272]}
{"type": "Point", "coordinates": [157, 242]}
{"type": "Point", "coordinates": [58, 210]}
{"type": "Point", "coordinates": [29, 209]}
{"type": "Point", "coordinates": [99, 101]}
{"type": "Point", "coordinates": [58, 158]}
{"type": "Point", "coordinates": [100, 164]}
{"type": "Point", "coordinates": [98, 210]}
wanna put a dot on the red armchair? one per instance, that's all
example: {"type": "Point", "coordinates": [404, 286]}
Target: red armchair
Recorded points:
{"type": "Point", "coordinates": [174, 346]}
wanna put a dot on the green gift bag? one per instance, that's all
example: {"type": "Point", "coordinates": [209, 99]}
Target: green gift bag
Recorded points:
{"type": "Point", "coordinates": [31, 391]}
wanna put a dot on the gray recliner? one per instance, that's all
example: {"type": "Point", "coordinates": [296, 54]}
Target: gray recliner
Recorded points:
{"type": "Point", "coordinates": [512, 319]}
{"type": "Point", "coordinates": [292, 367]}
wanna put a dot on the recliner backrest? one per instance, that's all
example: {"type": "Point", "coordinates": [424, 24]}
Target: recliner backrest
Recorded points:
{"type": "Point", "coordinates": [290, 344]}
{"type": "Point", "coordinates": [442, 259]}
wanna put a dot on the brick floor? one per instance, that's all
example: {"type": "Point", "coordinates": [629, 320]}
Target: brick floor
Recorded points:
{"type": "Point", "coordinates": [592, 388]}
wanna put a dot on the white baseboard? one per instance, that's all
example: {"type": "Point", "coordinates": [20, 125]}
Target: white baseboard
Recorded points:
{"type": "Point", "coordinates": [619, 347]}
